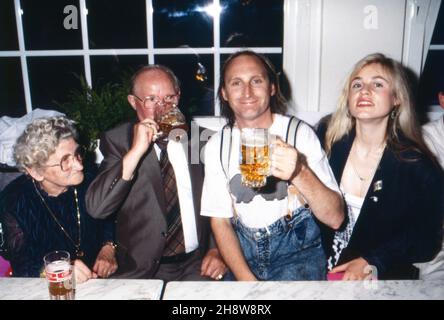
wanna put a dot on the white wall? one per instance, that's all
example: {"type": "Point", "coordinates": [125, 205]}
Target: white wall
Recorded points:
{"type": "Point", "coordinates": [352, 29]}
{"type": "Point", "coordinates": [323, 39]}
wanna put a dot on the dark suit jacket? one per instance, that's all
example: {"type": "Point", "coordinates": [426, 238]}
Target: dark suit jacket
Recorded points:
{"type": "Point", "coordinates": [401, 222]}
{"type": "Point", "coordinates": [138, 204]}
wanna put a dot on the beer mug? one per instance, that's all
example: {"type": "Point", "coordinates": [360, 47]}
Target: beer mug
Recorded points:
{"type": "Point", "coordinates": [59, 274]}
{"type": "Point", "coordinates": [254, 159]}
{"type": "Point", "coordinates": [172, 119]}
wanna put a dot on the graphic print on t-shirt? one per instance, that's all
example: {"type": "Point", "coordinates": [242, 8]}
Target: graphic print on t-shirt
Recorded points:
{"type": "Point", "coordinates": [273, 189]}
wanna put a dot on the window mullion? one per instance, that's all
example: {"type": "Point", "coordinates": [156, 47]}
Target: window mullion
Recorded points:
{"type": "Point", "coordinates": [85, 42]}
{"type": "Point", "coordinates": [149, 30]}
{"type": "Point", "coordinates": [22, 49]}
{"type": "Point", "coordinates": [216, 57]}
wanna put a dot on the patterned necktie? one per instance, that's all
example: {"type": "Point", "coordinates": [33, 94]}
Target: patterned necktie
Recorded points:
{"type": "Point", "coordinates": [174, 239]}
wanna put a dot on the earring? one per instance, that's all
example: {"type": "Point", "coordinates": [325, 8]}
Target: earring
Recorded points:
{"type": "Point", "coordinates": [393, 114]}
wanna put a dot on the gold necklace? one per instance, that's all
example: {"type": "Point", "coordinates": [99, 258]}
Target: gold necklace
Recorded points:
{"type": "Point", "coordinates": [79, 252]}
{"type": "Point", "coordinates": [362, 179]}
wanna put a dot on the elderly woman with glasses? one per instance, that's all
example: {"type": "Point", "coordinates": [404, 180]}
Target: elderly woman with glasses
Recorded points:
{"type": "Point", "coordinates": [44, 210]}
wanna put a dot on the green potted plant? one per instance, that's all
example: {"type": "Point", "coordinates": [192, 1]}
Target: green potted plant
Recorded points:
{"type": "Point", "coordinates": [97, 110]}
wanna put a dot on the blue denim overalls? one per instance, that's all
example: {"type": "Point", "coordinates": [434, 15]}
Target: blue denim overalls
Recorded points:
{"type": "Point", "coordinates": [290, 249]}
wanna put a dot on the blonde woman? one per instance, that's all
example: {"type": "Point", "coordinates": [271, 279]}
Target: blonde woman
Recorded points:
{"type": "Point", "coordinates": [391, 183]}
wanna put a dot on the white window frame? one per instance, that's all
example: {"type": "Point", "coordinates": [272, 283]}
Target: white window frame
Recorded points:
{"type": "Point", "coordinates": [150, 51]}
{"type": "Point", "coordinates": [302, 47]}
{"type": "Point", "coordinates": [421, 16]}
{"type": "Point", "coordinates": [302, 52]}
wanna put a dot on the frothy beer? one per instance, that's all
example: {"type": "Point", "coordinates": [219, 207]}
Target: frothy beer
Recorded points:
{"type": "Point", "coordinates": [60, 282]}
{"type": "Point", "coordinates": [255, 165]}
{"type": "Point", "coordinates": [166, 127]}
{"type": "Point", "coordinates": [254, 161]}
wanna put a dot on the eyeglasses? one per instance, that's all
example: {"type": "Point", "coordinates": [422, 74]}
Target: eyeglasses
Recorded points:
{"type": "Point", "coordinates": [151, 101]}
{"type": "Point", "coordinates": [67, 161]}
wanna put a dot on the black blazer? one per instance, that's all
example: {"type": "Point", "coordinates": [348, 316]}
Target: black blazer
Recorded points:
{"type": "Point", "coordinates": [401, 222]}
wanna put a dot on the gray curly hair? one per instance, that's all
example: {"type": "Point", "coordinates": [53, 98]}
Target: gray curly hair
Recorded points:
{"type": "Point", "coordinates": [40, 140]}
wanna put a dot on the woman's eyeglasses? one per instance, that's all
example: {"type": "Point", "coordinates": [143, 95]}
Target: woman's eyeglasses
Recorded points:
{"type": "Point", "coordinates": [67, 161]}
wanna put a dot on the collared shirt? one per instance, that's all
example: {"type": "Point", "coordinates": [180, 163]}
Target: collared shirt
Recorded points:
{"type": "Point", "coordinates": [178, 159]}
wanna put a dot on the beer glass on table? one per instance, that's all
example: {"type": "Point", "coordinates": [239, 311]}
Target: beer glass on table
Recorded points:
{"type": "Point", "coordinates": [59, 275]}
{"type": "Point", "coordinates": [255, 157]}
{"type": "Point", "coordinates": [168, 121]}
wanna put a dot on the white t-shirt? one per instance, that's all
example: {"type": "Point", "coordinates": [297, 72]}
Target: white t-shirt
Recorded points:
{"type": "Point", "coordinates": [257, 210]}
{"type": "Point", "coordinates": [434, 137]}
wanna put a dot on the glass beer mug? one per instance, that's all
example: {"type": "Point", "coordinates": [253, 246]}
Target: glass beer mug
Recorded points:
{"type": "Point", "coordinates": [168, 121]}
{"type": "Point", "coordinates": [59, 275]}
{"type": "Point", "coordinates": [254, 157]}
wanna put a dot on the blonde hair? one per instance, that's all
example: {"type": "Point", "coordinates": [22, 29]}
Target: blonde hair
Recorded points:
{"type": "Point", "coordinates": [40, 140]}
{"type": "Point", "coordinates": [402, 120]}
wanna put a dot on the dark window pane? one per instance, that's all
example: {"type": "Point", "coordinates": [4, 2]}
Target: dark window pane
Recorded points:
{"type": "Point", "coordinates": [438, 33]}
{"type": "Point", "coordinates": [114, 69]}
{"type": "Point", "coordinates": [44, 25]}
{"type": "Point", "coordinates": [52, 78]}
{"type": "Point", "coordinates": [8, 29]}
{"type": "Point", "coordinates": [196, 75]}
{"type": "Point", "coordinates": [432, 78]}
{"type": "Point", "coordinates": [12, 98]}
{"type": "Point", "coordinates": [275, 59]}
{"type": "Point", "coordinates": [182, 23]}
{"type": "Point", "coordinates": [116, 24]}
{"type": "Point", "coordinates": [251, 23]}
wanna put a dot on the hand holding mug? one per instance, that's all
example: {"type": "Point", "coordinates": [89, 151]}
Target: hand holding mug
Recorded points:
{"type": "Point", "coordinates": [285, 160]}
{"type": "Point", "coordinates": [144, 133]}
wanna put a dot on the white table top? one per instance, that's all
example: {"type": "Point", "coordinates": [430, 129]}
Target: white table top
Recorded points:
{"type": "Point", "coordinates": [96, 289]}
{"type": "Point", "coordinates": [305, 290]}
{"type": "Point", "coordinates": [122, 289]}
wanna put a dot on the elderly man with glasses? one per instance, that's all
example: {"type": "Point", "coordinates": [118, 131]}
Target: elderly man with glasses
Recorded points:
{"type": "Point", "coordinates": [148, 185]}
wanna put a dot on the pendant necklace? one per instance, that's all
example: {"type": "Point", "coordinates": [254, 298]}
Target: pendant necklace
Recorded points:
{"type": "Point", "coordinates": [363, 180]}
{"type": "Point", "coordinates": [79, 252]}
